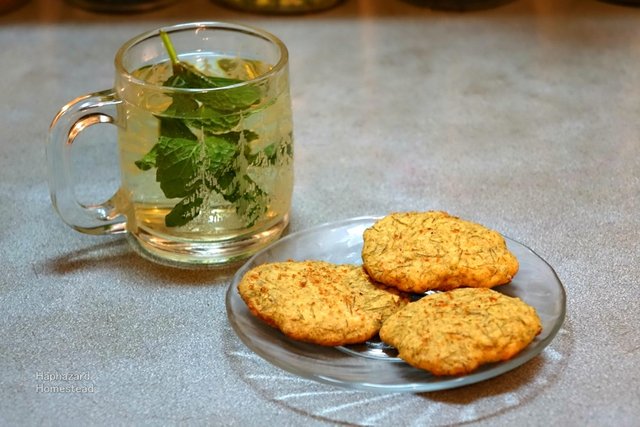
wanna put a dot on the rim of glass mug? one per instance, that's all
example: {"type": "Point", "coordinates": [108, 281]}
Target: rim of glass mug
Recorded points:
{"type": "Point", "coordinates": [123, 72]}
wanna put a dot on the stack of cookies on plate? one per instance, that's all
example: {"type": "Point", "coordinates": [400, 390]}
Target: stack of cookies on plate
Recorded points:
{"type": "Point", "coordinates": [457, 324]}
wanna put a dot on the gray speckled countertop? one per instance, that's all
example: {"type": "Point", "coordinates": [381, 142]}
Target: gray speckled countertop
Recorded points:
{"type": "Point", "coordinates": [524, 118]}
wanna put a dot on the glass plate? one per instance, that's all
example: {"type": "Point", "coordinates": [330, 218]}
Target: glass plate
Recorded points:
{"type": "Point", "coordinates": [374, 366]}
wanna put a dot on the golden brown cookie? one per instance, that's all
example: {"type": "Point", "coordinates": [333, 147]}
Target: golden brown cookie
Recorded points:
{"type": "Point", "coordinates": [454, 332]}
{"type": "Point", "coordinates": [319, 302]}
{"type": "Point", "coordinates": [421, 251]}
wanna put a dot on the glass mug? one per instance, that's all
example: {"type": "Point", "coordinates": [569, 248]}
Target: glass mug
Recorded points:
{"type": "Point", "coordinates": [205, 145]}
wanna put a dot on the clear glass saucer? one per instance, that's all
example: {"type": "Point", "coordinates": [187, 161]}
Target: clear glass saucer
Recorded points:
{"type": "Point", "coordinates": [373, 366]}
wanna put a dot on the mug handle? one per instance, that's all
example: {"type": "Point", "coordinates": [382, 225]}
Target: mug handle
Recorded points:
{"type": "Point", "coordinates": [73, 118]}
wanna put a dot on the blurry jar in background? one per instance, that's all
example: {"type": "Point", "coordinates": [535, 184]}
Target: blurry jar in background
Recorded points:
{"type": "Point", "coordinates": [9, 5]}
{"type": "Point", "coordinates": [459, 5]}
{"type": "Point", "coordinates": [120, 6]}
{"type": "Point", "coordinates": [280, 6]}
{"type": "Point", "coordinates": [624, 2]}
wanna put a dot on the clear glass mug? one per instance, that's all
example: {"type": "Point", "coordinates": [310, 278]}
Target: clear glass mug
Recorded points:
{"type": "Point", "coordinates": [206, 149]}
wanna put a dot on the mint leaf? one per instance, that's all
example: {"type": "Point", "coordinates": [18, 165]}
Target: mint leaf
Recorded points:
{"type": "Point", "coordinates": [175, 128]}
{"type": "Point", "coordinates": [190, 169]}
{"type": "Point", "coordinates": [183, 212]}
{"type": "Point", "coordinates": [269, 155]}
{"type": "Point", "coordinates": [185, 165]}
{"type": "Point", "coordinates": [177, 162]}
{"type": "Point", "coordinates": [149, 159]}
{"type": "Point", "coordinates": [252, 203]}
{"type": "Point", "coordinates": [215, 123]}
{"type": "Point", "coordinates": [229, 100]}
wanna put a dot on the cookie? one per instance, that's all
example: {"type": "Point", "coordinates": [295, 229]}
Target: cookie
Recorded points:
{"type": "Point", "coordinates": [454, 332]}
{"type": "Point", "coordinates": [421, 251]}
{"type": "Point", "coordinates": [319, 302]}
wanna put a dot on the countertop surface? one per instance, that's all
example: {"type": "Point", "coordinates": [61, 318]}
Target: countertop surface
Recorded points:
{"type": "Point", "coordinates": [523, 117]}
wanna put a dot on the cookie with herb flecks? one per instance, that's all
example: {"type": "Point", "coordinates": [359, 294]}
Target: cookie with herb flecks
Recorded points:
{"type": "Point", "coordinates": [421, 251]}
{"type": "Point", "coordinates": [454, 332]}
{"type": "Point", "coordinates": [319, 302]}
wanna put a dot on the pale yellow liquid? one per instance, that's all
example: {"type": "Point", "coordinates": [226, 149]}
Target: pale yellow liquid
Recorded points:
{"type": "Point", "coordinates": [218, 234]}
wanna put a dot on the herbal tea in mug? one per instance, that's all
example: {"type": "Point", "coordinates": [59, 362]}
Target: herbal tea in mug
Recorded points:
{"type": "Point", "coordinates": [205, 142]}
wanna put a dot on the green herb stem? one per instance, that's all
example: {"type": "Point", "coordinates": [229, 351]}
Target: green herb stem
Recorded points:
{"type": "Point", "coordinates": [173, 56]}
